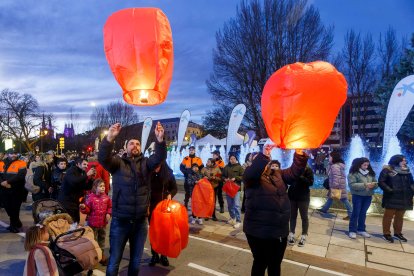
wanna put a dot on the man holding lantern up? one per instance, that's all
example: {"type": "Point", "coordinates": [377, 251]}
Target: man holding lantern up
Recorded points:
{"type": "Point", "coordinates": [131, 195]}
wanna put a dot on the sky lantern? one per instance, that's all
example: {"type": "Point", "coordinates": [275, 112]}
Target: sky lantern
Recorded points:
{"type": "Point", "coordinates": [139, 49]}
{"type": "Point", "coordinates": [300, 103]}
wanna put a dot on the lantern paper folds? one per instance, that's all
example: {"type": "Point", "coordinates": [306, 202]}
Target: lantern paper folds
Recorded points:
{"type": "Point", "coordinates": [300, 103]}
{"type": "Point", "coordinates": [139, 49]}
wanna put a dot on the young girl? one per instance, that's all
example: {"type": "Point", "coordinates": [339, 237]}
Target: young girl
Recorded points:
{"type": "Point", "coordinates": [40, 260]}
{"type": "Point", "coordinates": [98, 207]}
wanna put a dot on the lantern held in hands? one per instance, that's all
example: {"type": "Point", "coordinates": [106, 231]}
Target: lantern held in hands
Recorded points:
{"type": "Point", "coordinates": [139, 49]}
{"type": "Point", "coordinates": [300, 103]}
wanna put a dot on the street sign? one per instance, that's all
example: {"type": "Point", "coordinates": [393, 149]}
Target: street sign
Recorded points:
{"type": "Point", "coordinates": [61, 143]}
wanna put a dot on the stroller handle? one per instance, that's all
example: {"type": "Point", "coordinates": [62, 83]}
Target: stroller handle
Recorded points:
{"type": "Point", "coordinates": [71, 232]}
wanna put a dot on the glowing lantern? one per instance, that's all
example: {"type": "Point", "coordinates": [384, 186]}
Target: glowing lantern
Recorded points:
{"type": "Point", "coordinates": [139, 49]}
{"type": "Point", "coordinates": [300, 102]}
{"type": "Point", "coordinates": [169, 229]}
{"type": "Point", "coordinates": [202, 199]}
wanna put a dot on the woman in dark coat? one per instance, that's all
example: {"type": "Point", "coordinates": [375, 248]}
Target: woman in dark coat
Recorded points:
{"type": "Point", "coordinates": [266, 221]}
{"type": "Point", "coordinates": [163, 186]}
{"type": "Point", "coordinates": [397, 183]}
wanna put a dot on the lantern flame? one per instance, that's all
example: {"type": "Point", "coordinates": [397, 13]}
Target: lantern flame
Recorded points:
{"type": "Point", "coordinates": [143, 96]}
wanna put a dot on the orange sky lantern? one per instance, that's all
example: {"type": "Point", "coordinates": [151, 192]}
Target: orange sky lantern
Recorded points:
{"type": "Point", "coordinates": [139, 49]}
{"type": "Point", "coordinates": [300, 102]}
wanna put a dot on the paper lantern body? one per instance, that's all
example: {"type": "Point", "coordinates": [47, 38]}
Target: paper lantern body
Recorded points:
{"type": "Point", "coordinates": [231, 188]}
{"type": "Point", "coordinates": [169, 230]}
{"type": "Point", "coordinates": [139, 49]}
{"type": "Point", "coordinates": [202, 199]}
{"type": "Point", "coordinates": [300, 103]}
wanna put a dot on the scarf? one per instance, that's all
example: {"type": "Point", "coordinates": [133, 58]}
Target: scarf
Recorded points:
{"type": "Point", "coordinates": [364, 172]}
{"type": "Point", "coordinates": [31, 264]}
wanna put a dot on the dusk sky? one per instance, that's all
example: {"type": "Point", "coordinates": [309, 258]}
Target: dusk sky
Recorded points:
{"type": "Point", "coordinates": [53, 49]}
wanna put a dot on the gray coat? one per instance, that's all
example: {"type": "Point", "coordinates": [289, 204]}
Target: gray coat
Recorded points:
{"type": "Point", "coordinates": [357, 184]}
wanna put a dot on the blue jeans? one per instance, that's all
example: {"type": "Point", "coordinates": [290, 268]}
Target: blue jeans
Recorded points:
{"type": "Point", "coordinates": [123, 230]}
{"type": "Point", "coordinates": [233, 205]}
{"type": "Point", "coordinates": [359, 213]}
{"type": "Point", "coordinates": [329, 202]}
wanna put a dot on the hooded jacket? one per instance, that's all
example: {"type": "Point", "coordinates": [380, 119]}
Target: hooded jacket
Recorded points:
{"type": "Point", "coordinates": [97, 207]}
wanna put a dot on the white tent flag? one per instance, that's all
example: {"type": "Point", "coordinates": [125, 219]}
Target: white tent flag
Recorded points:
{"type": "Point", "coordinates": [184, 120]}
{"type": "Point", "coordinates": [400, 104]}
{"type": "Point", "coordinates": [236, 118]}
{"type": "Point", "coordinates": [146, 127]}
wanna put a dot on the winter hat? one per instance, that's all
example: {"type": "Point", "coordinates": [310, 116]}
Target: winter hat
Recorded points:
{"type": "Point", "coordinates": [260, 162]}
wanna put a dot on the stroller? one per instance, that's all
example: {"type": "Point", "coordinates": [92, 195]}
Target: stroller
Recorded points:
{"type": "Point", "coordinates": [75, 250]}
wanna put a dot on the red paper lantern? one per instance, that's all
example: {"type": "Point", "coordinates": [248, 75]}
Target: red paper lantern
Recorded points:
{"type": "Point", "coordinates": [139, 49]}
{"type": "Point", "coordinates": [169, 230]}
{"type": "Point", "coordinates": [300, 102]}
{"type": "Point", "coordinates": [231, 188]}
{"type": "Point", "coordinates": [202, 199]}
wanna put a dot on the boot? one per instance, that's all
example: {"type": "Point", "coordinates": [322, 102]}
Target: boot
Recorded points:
{"type": "Point", "coordinates": [164, 261]}
{"type": "Point", "coordinates": [154, 260]}
{"type": "Point", "coordinates": [104, 260]}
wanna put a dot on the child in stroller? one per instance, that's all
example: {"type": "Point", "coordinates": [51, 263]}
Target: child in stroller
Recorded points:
{"type": "Point", "coordinates": [74, 248]}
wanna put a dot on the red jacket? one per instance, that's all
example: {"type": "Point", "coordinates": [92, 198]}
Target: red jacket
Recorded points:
{"type": "Point", "coordinates": [96, 207]}
{"type": "Point", "coordinates": [100, 173]}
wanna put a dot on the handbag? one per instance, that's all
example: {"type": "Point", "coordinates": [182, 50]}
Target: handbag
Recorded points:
{"type": "Point", "coordinates": [336, 193]}
{"type": "Point", "coordinates": [29, 184]}
{"type": "Point", "coordinates": [231, 188]}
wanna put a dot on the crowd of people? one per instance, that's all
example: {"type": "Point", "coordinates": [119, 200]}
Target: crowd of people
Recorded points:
{"type": "Point", "coordinates": [272, 197]}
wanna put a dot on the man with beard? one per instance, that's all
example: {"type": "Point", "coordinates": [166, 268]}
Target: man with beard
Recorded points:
{"type": "Point", "coordinates": [131, 195]}
{"type": "Point", "coordinates": [186, 169]}
{"type": "Point", "coordinates": [12, 179]}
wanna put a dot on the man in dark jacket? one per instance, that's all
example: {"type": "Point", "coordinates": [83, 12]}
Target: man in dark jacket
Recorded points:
{"type": "Point", "coordinates": [130, 198]}
{"type": "Point", "coordinates": [75, 183]}
{"type": "Point", "coordinates": [268, 210]}
{"type": "Point", "coordinates": [57, 178]}
{"type": "Point", "coordinates": [12, 179]}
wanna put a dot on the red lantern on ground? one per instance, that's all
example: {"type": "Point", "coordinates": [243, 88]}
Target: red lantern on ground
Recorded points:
{"type": "Point", "coordinates": [139, 49]}
{"type": "Point", "coordinates": [169, 229]}
{"type": "Point", "coordinates": [202, 199]}
{"type": "Point", "coordinates": [300, 103]}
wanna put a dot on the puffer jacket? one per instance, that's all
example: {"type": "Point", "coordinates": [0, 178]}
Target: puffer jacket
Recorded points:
{"type": "Point", "coordinates": [357, 184]}
{"type": "Point", "coordinates": [267, 203]}
{"type": "Point", "coordinates": [130, 179]}
{"type": "Point", "coordinates": [337, 179]}
{"type": "Point", "coordinates": [398, 187]}
{"type": "Point", "coordinates": [97, 207]}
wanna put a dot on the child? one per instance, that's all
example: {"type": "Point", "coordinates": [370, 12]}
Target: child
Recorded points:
{"type": "Point", "coordinates": [193, 177]}
{"type": "Point", "coordinates": [40, 260]}
{"type": "Point", "coordinates": [98, 207]}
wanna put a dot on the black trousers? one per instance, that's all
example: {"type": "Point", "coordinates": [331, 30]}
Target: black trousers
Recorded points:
{"type": "Point", "coordinates": [267, 253]}
{"type": "Point", "coordinates": [12, 206]}
{"type": "Point", "coordinates": [303, 207]}
{"type": "Point", "coordinates": [219, 194]}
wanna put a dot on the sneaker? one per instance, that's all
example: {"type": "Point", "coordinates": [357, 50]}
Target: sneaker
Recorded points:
{"type": "Point", "coordinates": [320, 210]}
{"type": "Point", "coordinates": [388, 238]}
{"type": "Point", "coordinates": [291, 238]}
{"type": "Point", "coordinates": [237, 225]}
{"type": "Point", "coordinates": [192, 220]}
{"type": "Point", "coordinates": [346, 218]}
{"type": "Point", "coordinates": [302, 241]}
{"type": "Point", "coordinates": [164, 261]}
{"type": "Point", "coordinates": [200, 221]}
{"type": "Point", "coordinates": [154, 260]}
{"type": "Point", "coordinates": [364, 234]}
{"type": "Point", "coordinates": [400, 237]}
{"type": "Point", "coordinates": [352, 235]}
{"type": "Point", "coordinates": [230, 221]}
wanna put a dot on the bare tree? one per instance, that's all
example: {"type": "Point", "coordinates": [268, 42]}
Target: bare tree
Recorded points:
{"type": "Point", "coordinates": [389, 52]}
{"type": "Point", "coordinates": [114, 112]}
{"type": "Point", "coordinates": [259, 40]}
{"type": "Point", "coordinates": [358, 56]}
{"type": "Point", "coordinates": [20, 117]}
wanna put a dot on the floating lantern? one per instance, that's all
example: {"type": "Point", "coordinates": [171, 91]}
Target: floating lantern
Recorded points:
{"type": "Point", "coordinates": [300, 103]}
{"type": "Point", "coordinates": [139, 49]}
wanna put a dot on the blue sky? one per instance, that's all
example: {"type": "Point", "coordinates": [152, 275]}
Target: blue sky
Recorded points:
{"type": "Point", "coordinates": [53, 49]}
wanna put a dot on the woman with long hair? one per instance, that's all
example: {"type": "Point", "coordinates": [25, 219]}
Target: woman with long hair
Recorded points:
{"type": "Point", "coordinates": [362, 183]}
{"type": "Point", "coordinates": [397, 183]}
{"type": "Point", "coordinates": [337, 181]}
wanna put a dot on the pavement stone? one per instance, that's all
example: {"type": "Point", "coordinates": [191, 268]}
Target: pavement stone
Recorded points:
{"type": "Point", "coordinates": [390, 257]}
{"type": "Point", "coordinates": [346, 254]}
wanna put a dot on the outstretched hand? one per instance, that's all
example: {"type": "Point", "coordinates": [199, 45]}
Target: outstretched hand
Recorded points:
{"type": "Point", "coordinates": [113, 131]}
{"type": "Point", "coordinates": [159, 132]}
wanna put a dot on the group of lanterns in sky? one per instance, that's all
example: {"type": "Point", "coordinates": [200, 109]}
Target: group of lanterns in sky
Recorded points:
{"type": "Point", "coordinates": [299, 102]}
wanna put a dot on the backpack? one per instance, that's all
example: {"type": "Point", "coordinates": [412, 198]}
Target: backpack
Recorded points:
{"type": "Point", "coordinates": [29, 184]}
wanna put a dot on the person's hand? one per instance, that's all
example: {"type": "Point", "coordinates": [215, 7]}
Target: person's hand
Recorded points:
{"type": "Point", "coordinates": [91, 172]}
{"type": "Point", "coordinates": [169, 196]}
{"type": "Point", "coordinates": [113, 131]}
{"type": "Point", "coordinates": [233, 179]}
{"type": "Point", "coordinates": [107, 217]}
{"type": "Point", "coordinates": [50, 190]}
{"type": "Point", "coordinates": [299, 151]}
{"type": "Point", "coordinates": [5, 184]}
{"type": "Point", "coordinates": [82, 206]}
{"type": "Point", "coordinates": [159, 132]}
